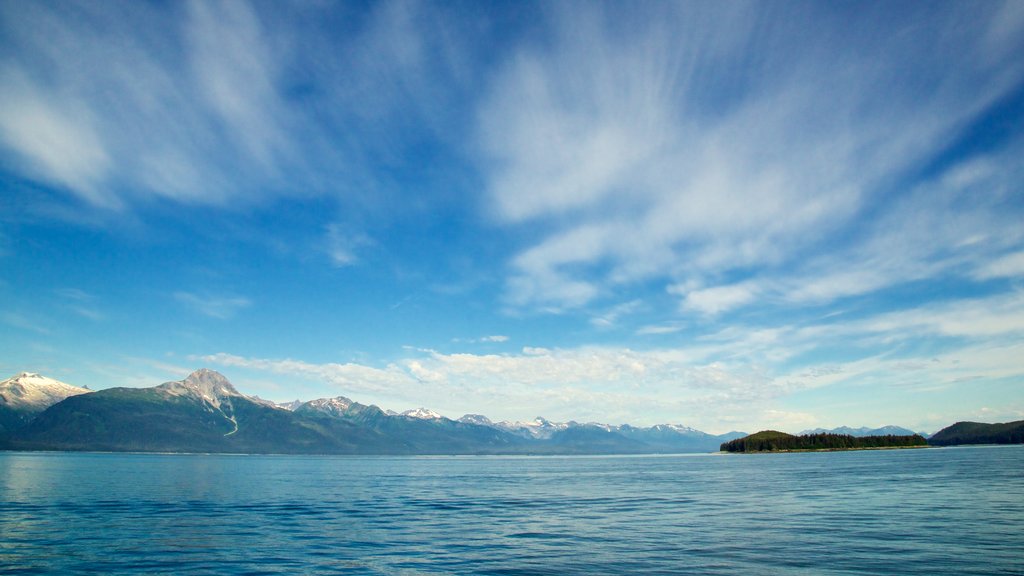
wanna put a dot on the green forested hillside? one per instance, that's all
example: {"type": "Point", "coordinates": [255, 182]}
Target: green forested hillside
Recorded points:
{"type": "Point", "coordinates": [772, 441]}
{"type": "Point", "coordinates": [979, 433]}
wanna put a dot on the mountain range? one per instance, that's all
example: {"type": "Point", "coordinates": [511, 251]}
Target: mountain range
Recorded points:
{"type": "Point", "coordinates": [205, 413]}
{"type": "Point", "coordinates": [864, 431]}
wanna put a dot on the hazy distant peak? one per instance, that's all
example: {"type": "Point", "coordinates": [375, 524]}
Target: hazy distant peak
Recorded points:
{"type": "Point", "coordinates": [478, 419]}
{"type": "Point", "coordinates": [423, 414]}
{"type": "Point", "coordinates": [889, 430]}
{"type": "Point", "coordinates": [335, 406]}
{"type": "Point", "coordinates": [290, 406]}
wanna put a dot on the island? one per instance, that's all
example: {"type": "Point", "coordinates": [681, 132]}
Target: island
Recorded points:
{"type": "Point", "coordinates": [979, 433]}
{"type": "Point", "coordinates": [773, 441]}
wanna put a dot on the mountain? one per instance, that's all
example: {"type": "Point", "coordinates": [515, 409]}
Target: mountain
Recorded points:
{"type": "Point", "coordinates": [593, 439]}
{"type": "Point", "coordinates": [329, 406]}
{"type": "Point", "coordinates": [585, 438]}
{"type": "Point", "coordinates": [205, 413]}
{"type": "Point", "coordinates": [477, 419]}
{"type": "Point", "coordinates": [862, 431]}
{"type": "Point", "coordinates": [290, 405]}
{"type": "Point", "coordinates": [422, 413]}
{"type": "Point", "coordinates": [25, 395]}
{"type": "Point", "coordinates": [539, 428]}
{"type": "Point", "coordinates": [979, 433]}
{"type": "Point", "coordinates": [202, 413]}
{"type": "Point", "coordinates": [677, 438]}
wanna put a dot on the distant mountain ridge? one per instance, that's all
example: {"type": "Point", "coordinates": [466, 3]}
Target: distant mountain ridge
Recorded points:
{"type": "Point", "coordinates": [205, 413]}
{"type": "Point", "coordinates": [864, 431]}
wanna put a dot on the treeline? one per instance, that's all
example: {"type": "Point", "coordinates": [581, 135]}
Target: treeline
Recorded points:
{"type": "Point", "coordinates": [770, 441]}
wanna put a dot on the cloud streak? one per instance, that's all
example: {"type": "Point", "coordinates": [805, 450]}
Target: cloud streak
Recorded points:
{"type": "Point", "coordinates": [644, 159]}
{"type": "Point", "coordinates": [219, 307]}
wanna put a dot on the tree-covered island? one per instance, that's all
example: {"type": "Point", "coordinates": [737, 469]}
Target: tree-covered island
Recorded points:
{"type": "Point", "coordinates": [772, 441]}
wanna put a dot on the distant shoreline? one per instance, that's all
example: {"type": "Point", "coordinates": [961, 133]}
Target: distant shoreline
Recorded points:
{"type": "Point", "coordinates": [825, 449]}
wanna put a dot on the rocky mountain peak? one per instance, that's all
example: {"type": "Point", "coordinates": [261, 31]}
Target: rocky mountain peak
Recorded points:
{"type": "Point", "coordinates": [203, 384]}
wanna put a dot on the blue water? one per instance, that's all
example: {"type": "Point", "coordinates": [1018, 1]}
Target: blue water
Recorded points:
{"type": "Point", "coordinates": [934, 511]}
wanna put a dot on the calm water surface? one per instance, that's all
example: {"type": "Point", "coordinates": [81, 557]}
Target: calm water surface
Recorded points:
{"type": "Point", "coordinates": [934, 511]}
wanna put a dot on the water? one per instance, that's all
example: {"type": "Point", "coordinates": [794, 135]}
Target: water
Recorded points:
{"type": "Point", "coordinates": [934, 511]}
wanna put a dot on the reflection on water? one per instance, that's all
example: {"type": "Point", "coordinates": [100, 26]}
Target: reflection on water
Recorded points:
{"type": "Point", "coordinates": [935, 511]}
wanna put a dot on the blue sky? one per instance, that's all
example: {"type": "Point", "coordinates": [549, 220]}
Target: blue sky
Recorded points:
{"type": "Point", "coordinates": [727, 215]}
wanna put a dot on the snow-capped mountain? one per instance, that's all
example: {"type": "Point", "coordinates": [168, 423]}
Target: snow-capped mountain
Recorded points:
{"type": "Point", "coordinates": [478, 419]}
{"type": "Point", "coordinates": [290, 406]}
{"type": "Point", "coordinates": [336, 406]}
{"type": "Point", "coordinates": [31, 392]}
{"type": "Point", "coordinates": [677, 428]}
{"type": "Point", "coordinates": [422, 414]}
{"type": "Point", "coordinates": [539, 428]}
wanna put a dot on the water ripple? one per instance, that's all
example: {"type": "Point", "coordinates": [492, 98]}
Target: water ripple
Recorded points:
{"type": "Point", "coordinates": [950, 511]}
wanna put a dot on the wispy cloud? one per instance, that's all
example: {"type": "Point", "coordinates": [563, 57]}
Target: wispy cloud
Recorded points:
{"type": "Point", "coordinates": [741, 376]}
{"type": "Point", "coordinates": [219, 104]}
{"type": "Point", "coordinates": [349, 377]}
{"type": "Point", "coordinates": [654, 329]}
{"type": "Point", "coordinates": [648, 159]}
{"type": "Point", "coordinates": [610, 317]}
{"type": "Point", "coordinates": [219, 307]}
{"type": "Point", "coordinates": [22, 322]}
{"type": "Point", "coordinates": [343, 245]}
{"type": "Point", "coordinates": [56, 137]}
{"type": "Point", "coordinates": [1009, 266]}
{"type": "Point", "coordinates": [80, 302]}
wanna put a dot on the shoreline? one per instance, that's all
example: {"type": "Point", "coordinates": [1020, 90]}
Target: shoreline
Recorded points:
{"type": "Point", "coordinates": [827, 449]}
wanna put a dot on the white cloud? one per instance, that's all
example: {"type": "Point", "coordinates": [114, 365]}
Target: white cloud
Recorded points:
{"type": "Point", "coordinates": [234, 71]}
{"type": "Point", "coordinates": [57, 139]}
{"type": "Point", "coordinates": [740, 377]}
{"type": "Point", "coordinates": [224, 104]}
{"type": "Point", "coordinates": [220, 307]}
{"type": "Point", "coordinates": [640, 157]}
{"type": "Point", "coordinates": [718, 299]}
{"type": "Point", "coordinates": [350, 377]}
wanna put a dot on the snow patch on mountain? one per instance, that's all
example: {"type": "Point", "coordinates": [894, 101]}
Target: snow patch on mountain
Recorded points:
{"type": "Point", "coordinates": [478, 419]}
{"type": "Point", "coordinates": [539, 427]}
{"type": "Point", "coordinates": [337, 406]}
{"type": "Point", "coordinates": [422, 414]}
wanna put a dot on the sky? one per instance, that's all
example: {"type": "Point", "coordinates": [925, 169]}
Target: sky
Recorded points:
{"type": "Point", "coordinates": [727, 215]}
